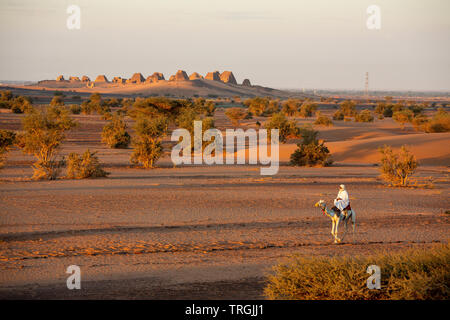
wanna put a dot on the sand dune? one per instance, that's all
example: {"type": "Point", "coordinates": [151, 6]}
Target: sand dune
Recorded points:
{"type": "Point", "coordinates": [429, 149]}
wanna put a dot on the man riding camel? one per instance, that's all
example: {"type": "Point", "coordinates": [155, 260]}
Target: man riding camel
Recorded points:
{"type": "Point", "coordinates": [342, 201]}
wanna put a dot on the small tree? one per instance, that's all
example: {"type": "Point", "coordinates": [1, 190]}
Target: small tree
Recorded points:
{"type": "Point", "coordinates": [147, 145]}
{"type": "Point", "coordinates": [235, 115]}
{"type": "Point", "coordinates": [348, 108]}
{"type": "Point", "coordinates": [403, 117]}
{"type": "Point", "coordinates": [114, 133]}
{"type": "Point", "coordinates": [7, 139]}
{"type": "Point", "coordinates": [307, 108]}
{"type": "Point", "coordinates": [57, 101]}
{"type": "Point", "coordinates": [364, 116]}
{"type": "Point", "coordinates": [397, 168]}
{"type": "Point", "coordinates": [338, 115]}
{"type": "Point", "coordinates": [311, 151]}
{"type": "Point", "coordinates": [287, 129]}
{"type": "Point", "coordinates": [44, 131]}
{"type": "Point", "coordinates": [322, 120]}
{"type": "Point", "coordinates": [290, 107]}
{"type": "Point", "coordinates": [84, 166]}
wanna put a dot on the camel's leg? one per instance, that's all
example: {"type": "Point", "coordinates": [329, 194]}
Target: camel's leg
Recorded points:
{"type": "Point", "coordinates": [353, 225]}
{"type": "Point", "coordinates": [336, 232]}
{"type": "Point", "coordinates": [332, 229]}
{"type": "Point", "coordinates": [346, 227]}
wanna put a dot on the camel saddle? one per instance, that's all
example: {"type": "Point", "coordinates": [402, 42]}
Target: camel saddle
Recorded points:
{"type": "Point", "coordinates": [338, 212]}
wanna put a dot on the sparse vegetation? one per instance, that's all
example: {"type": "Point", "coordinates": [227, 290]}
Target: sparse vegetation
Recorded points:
{"type": "Point", "coordinates": [397, 168]}
{"type": "Point", "coordinates": [286, 128]}
{"type": "Point", "coordinates": [311, 151]}
{"type": "Point", "coordinates": [348, 108]}
{"type": "Point", "coordinates": [7, 140]}
{"type": "Point", "coordinates": [85, 166]}
{"type": "Point", "coordinates": [364, 116]}
{"type": "Point", "coordinates": [235, 115]}
{"type": "Point", "coordinates": [44, 131]}
{"type": "Point", "coordinates": [147, 143]}
{"type": "Point", "coordinates": [439, 123]}
{"type": "Point", "coordinates": [415, 274]}
{"type": "Point", "coordinates": [115, 134]}
{"type": "Point", "coordinates": [338, 115]}
{"type": "Point", "coordinates": [307, 108]}
{"type": "Point", "coordinates": [322, 120]}
{"type": "Point", "coordinates": [403, 117]}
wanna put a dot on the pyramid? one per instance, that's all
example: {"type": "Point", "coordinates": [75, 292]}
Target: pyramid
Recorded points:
{"type": "Point", "coordinates": [137, 78]}
{"type": "Point", "coordinates": [181, 75]}
{"type": "Point", "coordinates": [213, 76]}
{"type": "Point", "coordinates": [195, 76]}
{"type": "Point", "coordinates": [246, 83]}
{"type": "Point", "coordinates": [85, 79]}
{"type": "Point", "coordinates": [118, 80]}
{"type": "Point", "coordinates": [155, 77]}
{"type": "Point", "coordinates": [228, 77]}
{"type": "Point", "coordinates": [60, 78]}
{"type": "Point", "coordinates": [101, 78]}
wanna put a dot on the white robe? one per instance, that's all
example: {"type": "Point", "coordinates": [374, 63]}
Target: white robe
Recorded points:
{"type": "Point", "coordinates": [343, 203]}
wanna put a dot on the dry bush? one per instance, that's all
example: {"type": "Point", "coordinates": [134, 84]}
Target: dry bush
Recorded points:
{"type": "Point", "coordinates": [85, 166]}
{"type": "Point", "coordinates": [364, 116]}
{"type": "Point", "coordinates": [307, 109]}
{"type": "Point", "coordinates": [338, 115]}
{"type": "Point", "coordinates": [403, 117]}
{"type": "Point", "coordinates": [7, 140]}
{"type": "Point", "coordinates": [415, 274]}
{"type": "Point", "coordinates": [235, 115]}
{"type": "Point", "coordinates": [75, 109]}
{"type": "Point", "coordinates": [439, 123]}
{"type": "Point", "coordinates": [44, 131]}
{"type": "Point", "coordinates": [322, 120]}
{"type": "Point", "coordinates": [348, 108]}
{"type": "Point", "coordinates": [114, 133]}
{"type": "Point", "coordinates": [396, 169]}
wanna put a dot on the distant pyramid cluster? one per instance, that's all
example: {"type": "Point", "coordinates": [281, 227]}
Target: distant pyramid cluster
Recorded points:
{"type": "Point", "coordinates": [138, 78]}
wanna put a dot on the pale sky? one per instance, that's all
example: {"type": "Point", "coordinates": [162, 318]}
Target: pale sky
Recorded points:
{"type": "Point", "coordinates": [322, 44]}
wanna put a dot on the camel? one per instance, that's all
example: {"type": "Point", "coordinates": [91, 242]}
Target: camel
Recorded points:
{"type": "Point", "coordinates": [335, 219]}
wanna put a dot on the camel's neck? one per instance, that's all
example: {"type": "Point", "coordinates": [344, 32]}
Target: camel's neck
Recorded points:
{"type": "Point", "coordinates": [326, 211]}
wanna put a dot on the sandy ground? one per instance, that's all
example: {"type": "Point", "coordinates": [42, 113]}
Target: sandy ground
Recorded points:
{"type": "Point", "coordinates": [205, 232]}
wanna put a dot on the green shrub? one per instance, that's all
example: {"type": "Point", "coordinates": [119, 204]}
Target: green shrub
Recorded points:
{"type": "Point", "coordinates": [147, 145]}
{"type": "Point", "coordinates": [21, 104]}
{"type": "Point", "coordinates": [85, 166]}
{"type": "Point", "coordinates": [396, 169]}
{"type": "Point", "coordinates": [323, 120]}
{"type": "Point", "coordinates": [286, 129]}
{"type": "Point", "coordinates": [387, 112]}
{"type": "Point", "coordinates": [7, 140]}
{"type": "Point", "coordinates": [311, 151]}
{"type": "Point", "coordinates": [364, 116]}
{"type": "Point", "coordinates": [44, 131]}
{"type": "Point", "coordinates": [114, 133]}
{"type": "Point", "coordinates": [439, 123]}
{"type": "Point", "coordinates": [414, 274]}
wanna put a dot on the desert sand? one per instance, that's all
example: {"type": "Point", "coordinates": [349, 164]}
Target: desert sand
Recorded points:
{"type": "Point", "coordinates": [206, 232]}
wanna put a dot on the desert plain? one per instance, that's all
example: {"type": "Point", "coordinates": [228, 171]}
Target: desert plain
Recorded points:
{"type": "Point", "coordinates": [208, 232]}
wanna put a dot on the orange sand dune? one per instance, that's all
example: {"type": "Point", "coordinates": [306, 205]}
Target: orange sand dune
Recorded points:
{"type": "Point", "coordinates": [429, 148]}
